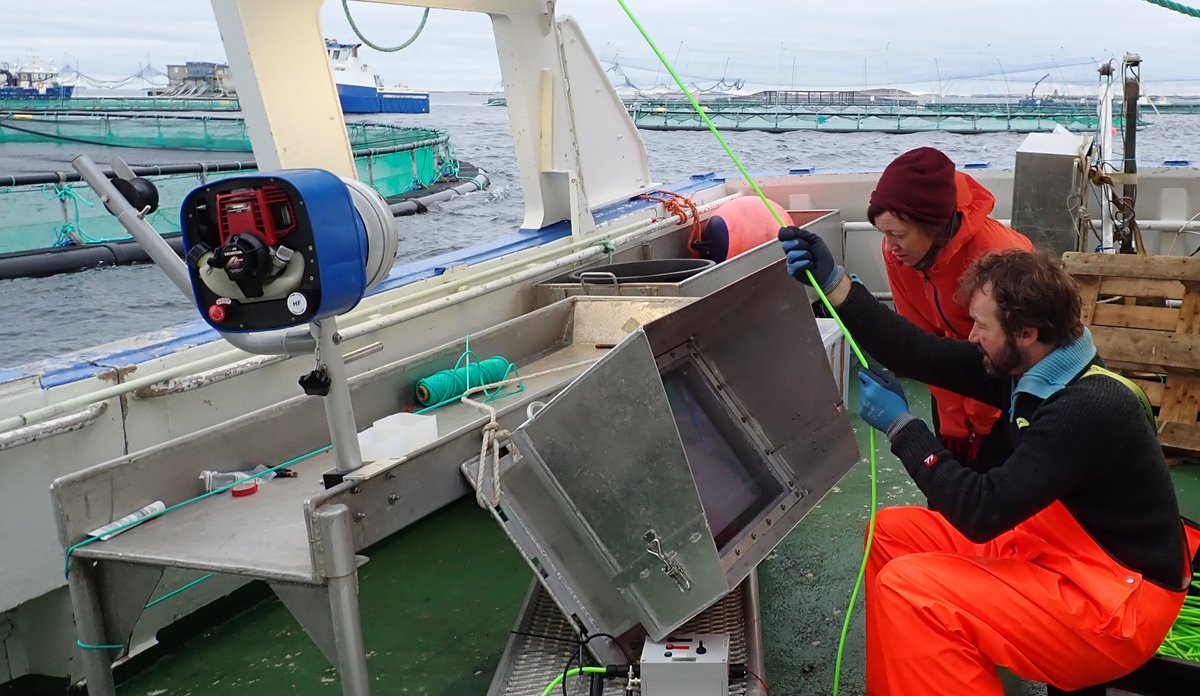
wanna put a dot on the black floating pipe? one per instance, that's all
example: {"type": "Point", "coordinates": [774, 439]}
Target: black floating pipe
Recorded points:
{"type": "Point", "coordinates": [420, 204]}
{"type": "Point", "coordinates": [40, 263]}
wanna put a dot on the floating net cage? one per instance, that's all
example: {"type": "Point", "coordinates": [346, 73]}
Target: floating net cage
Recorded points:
{"type": "Point", "coordinates": [955, 118]}
{"type": "Point", "coordinates": [391, 159]}
{"type": "Point", "coordinates": [175, 104]}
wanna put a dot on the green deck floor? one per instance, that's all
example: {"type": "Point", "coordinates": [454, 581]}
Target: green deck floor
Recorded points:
{"type": "Point", "coordinates": [439, 598]}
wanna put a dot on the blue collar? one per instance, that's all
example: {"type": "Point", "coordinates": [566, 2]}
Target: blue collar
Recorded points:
{"type": "Point", "coordinates": [1054, 371]}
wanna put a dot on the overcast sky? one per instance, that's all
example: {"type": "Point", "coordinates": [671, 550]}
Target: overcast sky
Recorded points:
{"type": "Point", "coordinates": [951, 46]}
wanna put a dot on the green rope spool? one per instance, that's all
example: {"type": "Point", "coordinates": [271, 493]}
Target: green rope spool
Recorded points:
{"type": "Point", "coordinates": [449, 385]}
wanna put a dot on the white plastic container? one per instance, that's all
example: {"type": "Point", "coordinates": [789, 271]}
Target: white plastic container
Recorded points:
{"type": "Point", "coordinates": [396, 436]}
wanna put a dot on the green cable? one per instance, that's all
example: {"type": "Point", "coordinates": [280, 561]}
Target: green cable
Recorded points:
{"type": "Point", "coordinates": [828, 305]}
{"type": "Point", "coordinates": [571, 673]}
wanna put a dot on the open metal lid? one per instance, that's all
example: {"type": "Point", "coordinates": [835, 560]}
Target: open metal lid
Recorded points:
{"type": "Point", "coordinates": [653, 483]}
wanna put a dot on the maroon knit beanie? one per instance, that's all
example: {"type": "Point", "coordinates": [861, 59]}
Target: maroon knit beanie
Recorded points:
{"type": "Point", "coordinates": [919, 186]}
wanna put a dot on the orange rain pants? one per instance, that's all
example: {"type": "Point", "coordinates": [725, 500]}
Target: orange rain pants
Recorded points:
{"type": "Point", "coordinates": [1043, 600]}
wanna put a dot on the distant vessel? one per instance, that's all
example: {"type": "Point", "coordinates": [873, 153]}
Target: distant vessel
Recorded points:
{"type": "Point", "coordinates": [32, 80]}
{"type": "Point", "coordinates": [361, 91]}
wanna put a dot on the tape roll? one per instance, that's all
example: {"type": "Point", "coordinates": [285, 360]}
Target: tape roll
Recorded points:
{"type": "Point", "coordinates": [245, 488]}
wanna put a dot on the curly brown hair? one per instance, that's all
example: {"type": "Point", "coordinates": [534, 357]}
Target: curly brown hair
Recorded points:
{"type": "Point", "coordinates": [1031, 290]}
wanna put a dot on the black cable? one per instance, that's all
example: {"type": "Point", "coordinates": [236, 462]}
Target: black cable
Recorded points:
{"type": "Point", "coordinates": [579, 655]}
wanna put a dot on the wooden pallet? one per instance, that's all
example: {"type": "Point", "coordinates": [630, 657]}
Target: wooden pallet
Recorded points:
{"type": "Point", "coordinates": [1152, 341]}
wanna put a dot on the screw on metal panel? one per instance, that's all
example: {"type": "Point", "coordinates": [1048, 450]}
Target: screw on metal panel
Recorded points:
{"type": "Point", "coordinates": [753, 536]}
{"type": "Point", "coordinates": [390, 475]}
{"type": "Point", "coordinates": [356, 489]}
{"type": "Point", "coordinates": [393, 498]}
{"type": "Point", "coordinates": [737, 552]}
{"type": "Point", "coordinates": [768, 521]}
{"type": "Point", "coordinates": [360, 516]}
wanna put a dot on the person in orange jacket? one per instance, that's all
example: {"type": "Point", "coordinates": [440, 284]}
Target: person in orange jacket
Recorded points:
{"type": "Point", "coordinates": [1067, 563]}
{"type": "Point", "coordinates": [935, 222]}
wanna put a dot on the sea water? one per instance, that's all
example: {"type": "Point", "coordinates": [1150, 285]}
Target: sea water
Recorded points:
{"type": "Point", "coordinates": [44, 317]}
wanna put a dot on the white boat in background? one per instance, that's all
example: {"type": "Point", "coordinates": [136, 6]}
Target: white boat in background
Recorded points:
{"type": "Point", "coordinates": [361, 91]}
{"type": "Point", "coordinates": [32, 79]}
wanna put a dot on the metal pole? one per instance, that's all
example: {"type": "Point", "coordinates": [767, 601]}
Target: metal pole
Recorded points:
{"type": "Point", "coordinates": [755, 656]}
{"type": "Point", "coordinates": [339, 410]}
{"type": "Point", "coordinates": [89, 628]}
{"type": "Point", "coordinates": [1132, 75]}
{"type": "Point", "coordinates": [1105, 126]}
{"type": "Point", "coordinates": [131, 220]}
{"type": "Point", "coordinates": [341, 573]}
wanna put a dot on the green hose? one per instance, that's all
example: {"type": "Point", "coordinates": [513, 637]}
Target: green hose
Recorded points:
{"type": "Point", "coordinates": [828, 305]}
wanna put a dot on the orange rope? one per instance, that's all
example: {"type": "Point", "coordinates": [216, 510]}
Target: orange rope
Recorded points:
{"type": "Point", "coordinates": [679, 205]}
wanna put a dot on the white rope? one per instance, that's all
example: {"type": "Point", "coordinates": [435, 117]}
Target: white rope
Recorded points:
{"type": "Point", "coordinates": [493, 432]}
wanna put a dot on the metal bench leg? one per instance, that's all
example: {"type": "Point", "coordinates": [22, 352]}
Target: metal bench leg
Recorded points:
{"type": "Point", "coordinates": [341, 572]}
{"type": "Point", "coordinates": [89, 628]}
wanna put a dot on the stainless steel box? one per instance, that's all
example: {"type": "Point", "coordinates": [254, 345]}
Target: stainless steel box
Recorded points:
{"type": "Point", "coordinates": [1046, 190]}
{"type": "Point", "coordinates": [651, 485]}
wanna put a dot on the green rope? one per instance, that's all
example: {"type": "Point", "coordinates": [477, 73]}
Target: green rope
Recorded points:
{"type": "Point", "coordinates": [608, 248]}
{"type": "Point", "coordinates": [828, 305]}
{"type": "Point", "coordinates": [89, 646]}
{"type": "Point", "coordinates": [377, 47]}
{"type": "Point", "coordinates": [172, 593]}
{"type": "Point", "coordinates": [448, 386]}
{"type": "Point", "coordinates": [1183, 640]}
{"type": "Point", "coordinates": [1178, 7]}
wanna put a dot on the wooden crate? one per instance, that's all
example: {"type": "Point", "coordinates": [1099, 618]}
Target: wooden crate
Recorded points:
{"type": "Point", "coordinates": [1144, 313]}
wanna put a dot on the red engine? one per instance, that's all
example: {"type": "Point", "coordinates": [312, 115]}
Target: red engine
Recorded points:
{"type": "Point", "coordinates": [265, 212]}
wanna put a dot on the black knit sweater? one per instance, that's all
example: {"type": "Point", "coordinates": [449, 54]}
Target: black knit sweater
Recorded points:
{"type": "Point", "coordinates": [1088, 445]}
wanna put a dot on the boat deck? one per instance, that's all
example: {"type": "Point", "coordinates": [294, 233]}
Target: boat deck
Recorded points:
{"type": "Point", "coordinates": [440, 597]}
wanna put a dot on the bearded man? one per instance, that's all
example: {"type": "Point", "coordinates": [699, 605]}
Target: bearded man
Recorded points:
{"type": "Point", "coordinates": [1066, 563]}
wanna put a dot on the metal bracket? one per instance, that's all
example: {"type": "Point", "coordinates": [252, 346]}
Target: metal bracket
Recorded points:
{"type": "Point", "coordinates": [309, 604]}
{"type": "Point", "coordinates": [126, 589]}
{"type": "Point", "coordinates": [670, 565]}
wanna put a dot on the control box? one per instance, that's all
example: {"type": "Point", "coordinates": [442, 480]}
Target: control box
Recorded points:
{"type": "Point", "coordinates": [693, 664]}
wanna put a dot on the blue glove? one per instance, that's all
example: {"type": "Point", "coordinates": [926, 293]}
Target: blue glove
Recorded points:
{"type": "Point", "coordinates": [881, 401]}
{"type": "Point", "coordinates": [807, 252]}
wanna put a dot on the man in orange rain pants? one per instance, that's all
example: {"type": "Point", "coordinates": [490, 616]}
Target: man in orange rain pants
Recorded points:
{"type": "Point", "coordinates": [1067, 562]}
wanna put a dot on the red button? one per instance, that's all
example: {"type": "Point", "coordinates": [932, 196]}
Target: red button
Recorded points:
{"type": "Point", "coordinates": [216, 313]}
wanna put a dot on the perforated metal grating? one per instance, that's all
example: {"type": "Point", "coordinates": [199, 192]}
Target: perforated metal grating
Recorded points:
{"type": "Point", "coordinates": [533, 662]}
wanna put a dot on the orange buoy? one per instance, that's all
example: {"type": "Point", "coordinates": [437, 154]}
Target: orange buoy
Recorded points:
{"type": "Point", "coordinates": [736, 227]}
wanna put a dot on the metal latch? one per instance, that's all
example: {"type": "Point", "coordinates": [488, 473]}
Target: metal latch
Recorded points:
{"type": "Point", "coordinates": [670, 565]}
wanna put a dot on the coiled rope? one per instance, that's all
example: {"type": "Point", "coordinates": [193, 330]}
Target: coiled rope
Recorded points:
{"type": "Point", "coordinates": [680, 206]}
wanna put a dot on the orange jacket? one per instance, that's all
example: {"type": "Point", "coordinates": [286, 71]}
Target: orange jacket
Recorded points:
{"type": "Point", "coordinates": [926, 298]}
